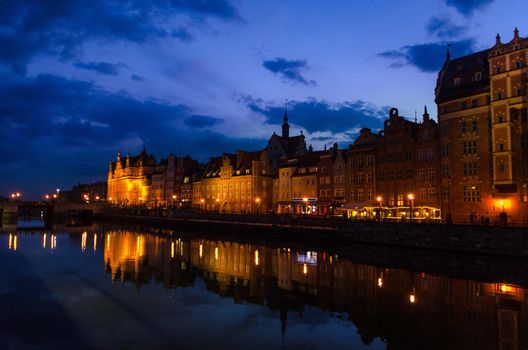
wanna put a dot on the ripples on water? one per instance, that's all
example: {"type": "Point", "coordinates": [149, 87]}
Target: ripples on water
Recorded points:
{"type": "Point", "coordinates": [97, 288]}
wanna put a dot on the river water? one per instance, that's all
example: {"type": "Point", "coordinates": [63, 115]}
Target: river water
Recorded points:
{"type": "Point", "coordinates": [115, 288]}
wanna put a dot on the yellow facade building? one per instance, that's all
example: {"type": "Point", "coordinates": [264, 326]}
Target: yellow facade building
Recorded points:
{"type": "Point", "coordinates": [235, 183]}
{"type": "Point", "coordinates": [129, 179]}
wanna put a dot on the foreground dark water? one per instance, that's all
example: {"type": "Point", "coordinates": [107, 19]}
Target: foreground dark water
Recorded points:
{"type": "Point", "coordinates": [123, 289]}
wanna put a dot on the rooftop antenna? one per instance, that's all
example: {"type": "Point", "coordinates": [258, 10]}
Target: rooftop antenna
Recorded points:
{"type": "Point", "coordinates": [415, 118]}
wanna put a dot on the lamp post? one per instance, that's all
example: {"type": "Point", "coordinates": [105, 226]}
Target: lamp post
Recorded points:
{"type": "Point", "coordinates": [257, 200]}
{"type": "Point", "coordinates": [379, 199]}
{"type": "Point", "coordinates": [411, 202]}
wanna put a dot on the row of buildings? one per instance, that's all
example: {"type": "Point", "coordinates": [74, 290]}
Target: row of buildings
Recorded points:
{"type": "Point", "coordinates": [471, 165]}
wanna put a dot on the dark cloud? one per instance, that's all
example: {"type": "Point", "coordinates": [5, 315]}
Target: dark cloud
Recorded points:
{"type": "Point", "coordinates": [202, 121]}
{"type": "Point", "coordinates": [468, 7]}
{"type": "Point", "coordinates": [101, 67]}
{"type": "Point", "coordinates": [444, 28]}
{"type": "Point", "coordinates": [309, 114]}
{"type": "Point", "coordinates": [33, 27]}
{"type": "Point", "coordinates": [182, 34]}
{"type": "Point", "coordinates": [427, 57]}
{"type": "Point", "coordinates": [68, 130]}
{"type": "Point", "coordinates": [136, 77]}
{"type": "Point", "coordinates": [289, 70]}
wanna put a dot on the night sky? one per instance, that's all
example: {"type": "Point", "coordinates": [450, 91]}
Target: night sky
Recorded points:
{"type": "Point", "coordinates": [80, 80]}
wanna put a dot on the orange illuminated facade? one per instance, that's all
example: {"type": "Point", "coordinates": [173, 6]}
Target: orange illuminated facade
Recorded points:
{"type": "Point", "coordinates": [130, 179]}
{"type": "Point", "coordinates": [482, 112]}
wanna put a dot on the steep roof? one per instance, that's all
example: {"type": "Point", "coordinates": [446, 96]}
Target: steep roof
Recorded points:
{"type": "Point", "coordinates": [464, 68]}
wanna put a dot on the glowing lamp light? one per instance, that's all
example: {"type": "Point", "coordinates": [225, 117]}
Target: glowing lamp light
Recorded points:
{"type": "Point", "coordinates": [201, 200]}
{"type": "Point", "coordinates": [378, 199]}
{"type": "Point", "coordinates": [173, 196]}
{"type": "Point", "coordinates": [217, 200]}
{"type": "Point", "coordinates": [54, 195]}
{"type": "Point", "coordinates": [410, 196]}
{"type": "Point", "coordinates": [412, 298]}
{"type": "Point", "coordinates": [380, 282]}
{"type": "Point", "coordinates": [47, 196]}
{"type": "Point", "coordinates": [305, 199]}
{"type": "Point", "coordinates": [305, 269]}
{"type": "Point", "coordinates": [256, 257]}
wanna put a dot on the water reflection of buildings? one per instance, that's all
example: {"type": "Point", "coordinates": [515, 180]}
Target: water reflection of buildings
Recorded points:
{"type": "Point", "coordinates": [406, 309]}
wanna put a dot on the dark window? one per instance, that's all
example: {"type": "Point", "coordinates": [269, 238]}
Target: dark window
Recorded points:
{"type": "Point", "coordinates": [470, 169]}
{"type": "Point", "coordinates": [463, 105]}
{"type": "Point", "coordinates": [474, 125]}
{"type": "Point", "coordinates": [499, 96]}
{"type": "Point", "coordinates": [474, 102]}
{"type": "Point", "coordinates": [463, 126]}
{"type": "Point", "coordinates": [501, 147]}
{"type": "Point", "coordinates": [518, 64]}
{"type": "Point", "coordinates": [520, 92]}
{"type": "Point", "coordinates": [498, 69]}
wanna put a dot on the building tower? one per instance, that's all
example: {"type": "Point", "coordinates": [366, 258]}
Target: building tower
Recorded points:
{"type": "Point", "coordinates": [285, 125]}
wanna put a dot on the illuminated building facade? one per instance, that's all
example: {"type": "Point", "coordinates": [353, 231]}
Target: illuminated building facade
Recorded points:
{"type": "Point", "coordinates": [130, 179]}
{"type": "Point", "coordinates": [482, 112]}
{"type": "Point", "coordinates": [236, 183]}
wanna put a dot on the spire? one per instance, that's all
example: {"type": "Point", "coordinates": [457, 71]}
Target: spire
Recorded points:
{"type": "Point", "coordinates": [426, 114]}
{"type": "Point", "coordinates": [310, 149]}
{"type": "Point", "coordinates": [415, 116]}
{"type": "Point", "coordinates": [285, 125]}
{"type": "Point", "coordinates": [516, 33]}
{"type": "Point", "coordinates": [118, 156]}
{"type": "Point", "coordinates": [498, 40]}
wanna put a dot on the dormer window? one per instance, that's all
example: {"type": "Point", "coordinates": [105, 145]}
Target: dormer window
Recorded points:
{"type": "Point", "coordinates": [457, 81]}
{"type": "Point", "coordinates": [478, 76]}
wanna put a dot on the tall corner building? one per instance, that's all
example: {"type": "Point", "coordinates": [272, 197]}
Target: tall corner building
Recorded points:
{"type": "Point", "coordinates": [482, 114]}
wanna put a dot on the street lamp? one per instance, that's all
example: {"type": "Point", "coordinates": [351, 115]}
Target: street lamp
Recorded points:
{"type": "Point", "coordinates": [411, 202]}
{"type": "Point", "coordinates": [257, 200]}
{"type": "Point", "coordinates": [173, 200]}
{"type": "Point", "coordinates": [218, 205]}
{"type": "Point", "coordinates": [378, 199]}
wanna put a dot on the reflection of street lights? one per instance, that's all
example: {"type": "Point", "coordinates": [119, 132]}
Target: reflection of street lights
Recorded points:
{"type": "Point", "coordinates": [411, 202]}
{"type": "Point", "coordinates": [257, 200]}
{"type": "Point", "coordinates": [378, 199]}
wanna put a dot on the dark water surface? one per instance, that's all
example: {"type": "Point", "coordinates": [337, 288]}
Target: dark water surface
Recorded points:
{"type": "Point", "coordinates": [123, 289]}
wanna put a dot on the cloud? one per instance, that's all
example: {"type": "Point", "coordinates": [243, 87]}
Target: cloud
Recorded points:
{"type": "Point", "coordinates": [182, 34]}
{"type": "Point", "coordinates": [338, 117]}
{"type": "Point", "coordinates": [427, 57]}
{"type": "Point", "coordinates": [101, 67]}
{"type": "Point", "coordinates": [59, 28]}
{"type": "Point", "coordinates": [67, 130]}
{"type": "Point", "coordinates": [444, 28]}
{"type": "Point", "coordinates": [289, 70]}
{"type": "Point", "coordinates": [136, 77]}
{"type": "Point", "coordinates": [468, 7]}
{"type": "Point", "coordinates": [202, 121]}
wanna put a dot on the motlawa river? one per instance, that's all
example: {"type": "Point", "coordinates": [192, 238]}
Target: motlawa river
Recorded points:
{"type": "Point", "coordinates": [115, 288]}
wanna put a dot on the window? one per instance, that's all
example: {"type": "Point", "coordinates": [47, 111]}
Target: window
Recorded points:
{"type": "Point", "coordinates": [518, 64]}
{"type": "Point", "coordinates": [431, 191]}
{"type": "Point", "coordinates": [457, 81]}
{"type": "Point", "coordinates": [463, 126]}
{"type": "Point", "coordinates": [499, 96]}
{"type": "Point", "coordinates": [370, 178]}
{"type": "Point", "coordinates": [430, 154]}
{"type": "Point", "coordinates": [471, 193]}
{"type": "Point", "coordinates": [400, 200]}
{"type": "Point", "coordinates": [499, 119]}
{"type": "Point", "coordinates": [474, 125]}
{"type": "Point", "coordinates": [369, 195]}
{"type": "Point", "coordinates": [421, 155]}
{"type": "Point", "coordinates": [478, 76]}
{"type": "Point", "coordinates": [360, 195]}
{"type": "Point", "coordinates": [474, 102]}
{"type": "Point", "coordinates": [445, 194]}
{"type": "Point", "coordinates": [520, 92]}
{"type": "Point", "coordinates": [430, 174]}
{"type": "Point", "coordinates": [421, 174]}
{"type": "Point", "coordinates": [445, 170]}
{"type": "Point", "coordinates": [463, 105]}
{"type": "Point", "coordinates": [423, 194]}
{"type": "Point", "coordinates": [443, 129]}
{"type": "Point", "coordinates": [470, 169]}
{"type": "Point", "coordinates": [445, 150]}
{"type": "Point", "coordinates": [501, 147]}
{"type": "Point", "coordinates": [469, 147]}
{"type": "Point", "coordinates": [523, 140]}
{"type": "Point", "coordinates": [497, 69]}
{"type": "Point", "coordinates": [370, 161]}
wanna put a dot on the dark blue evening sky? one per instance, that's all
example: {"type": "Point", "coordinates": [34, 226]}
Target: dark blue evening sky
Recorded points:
{"type": "Point", "coordinates": [80, 80]}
